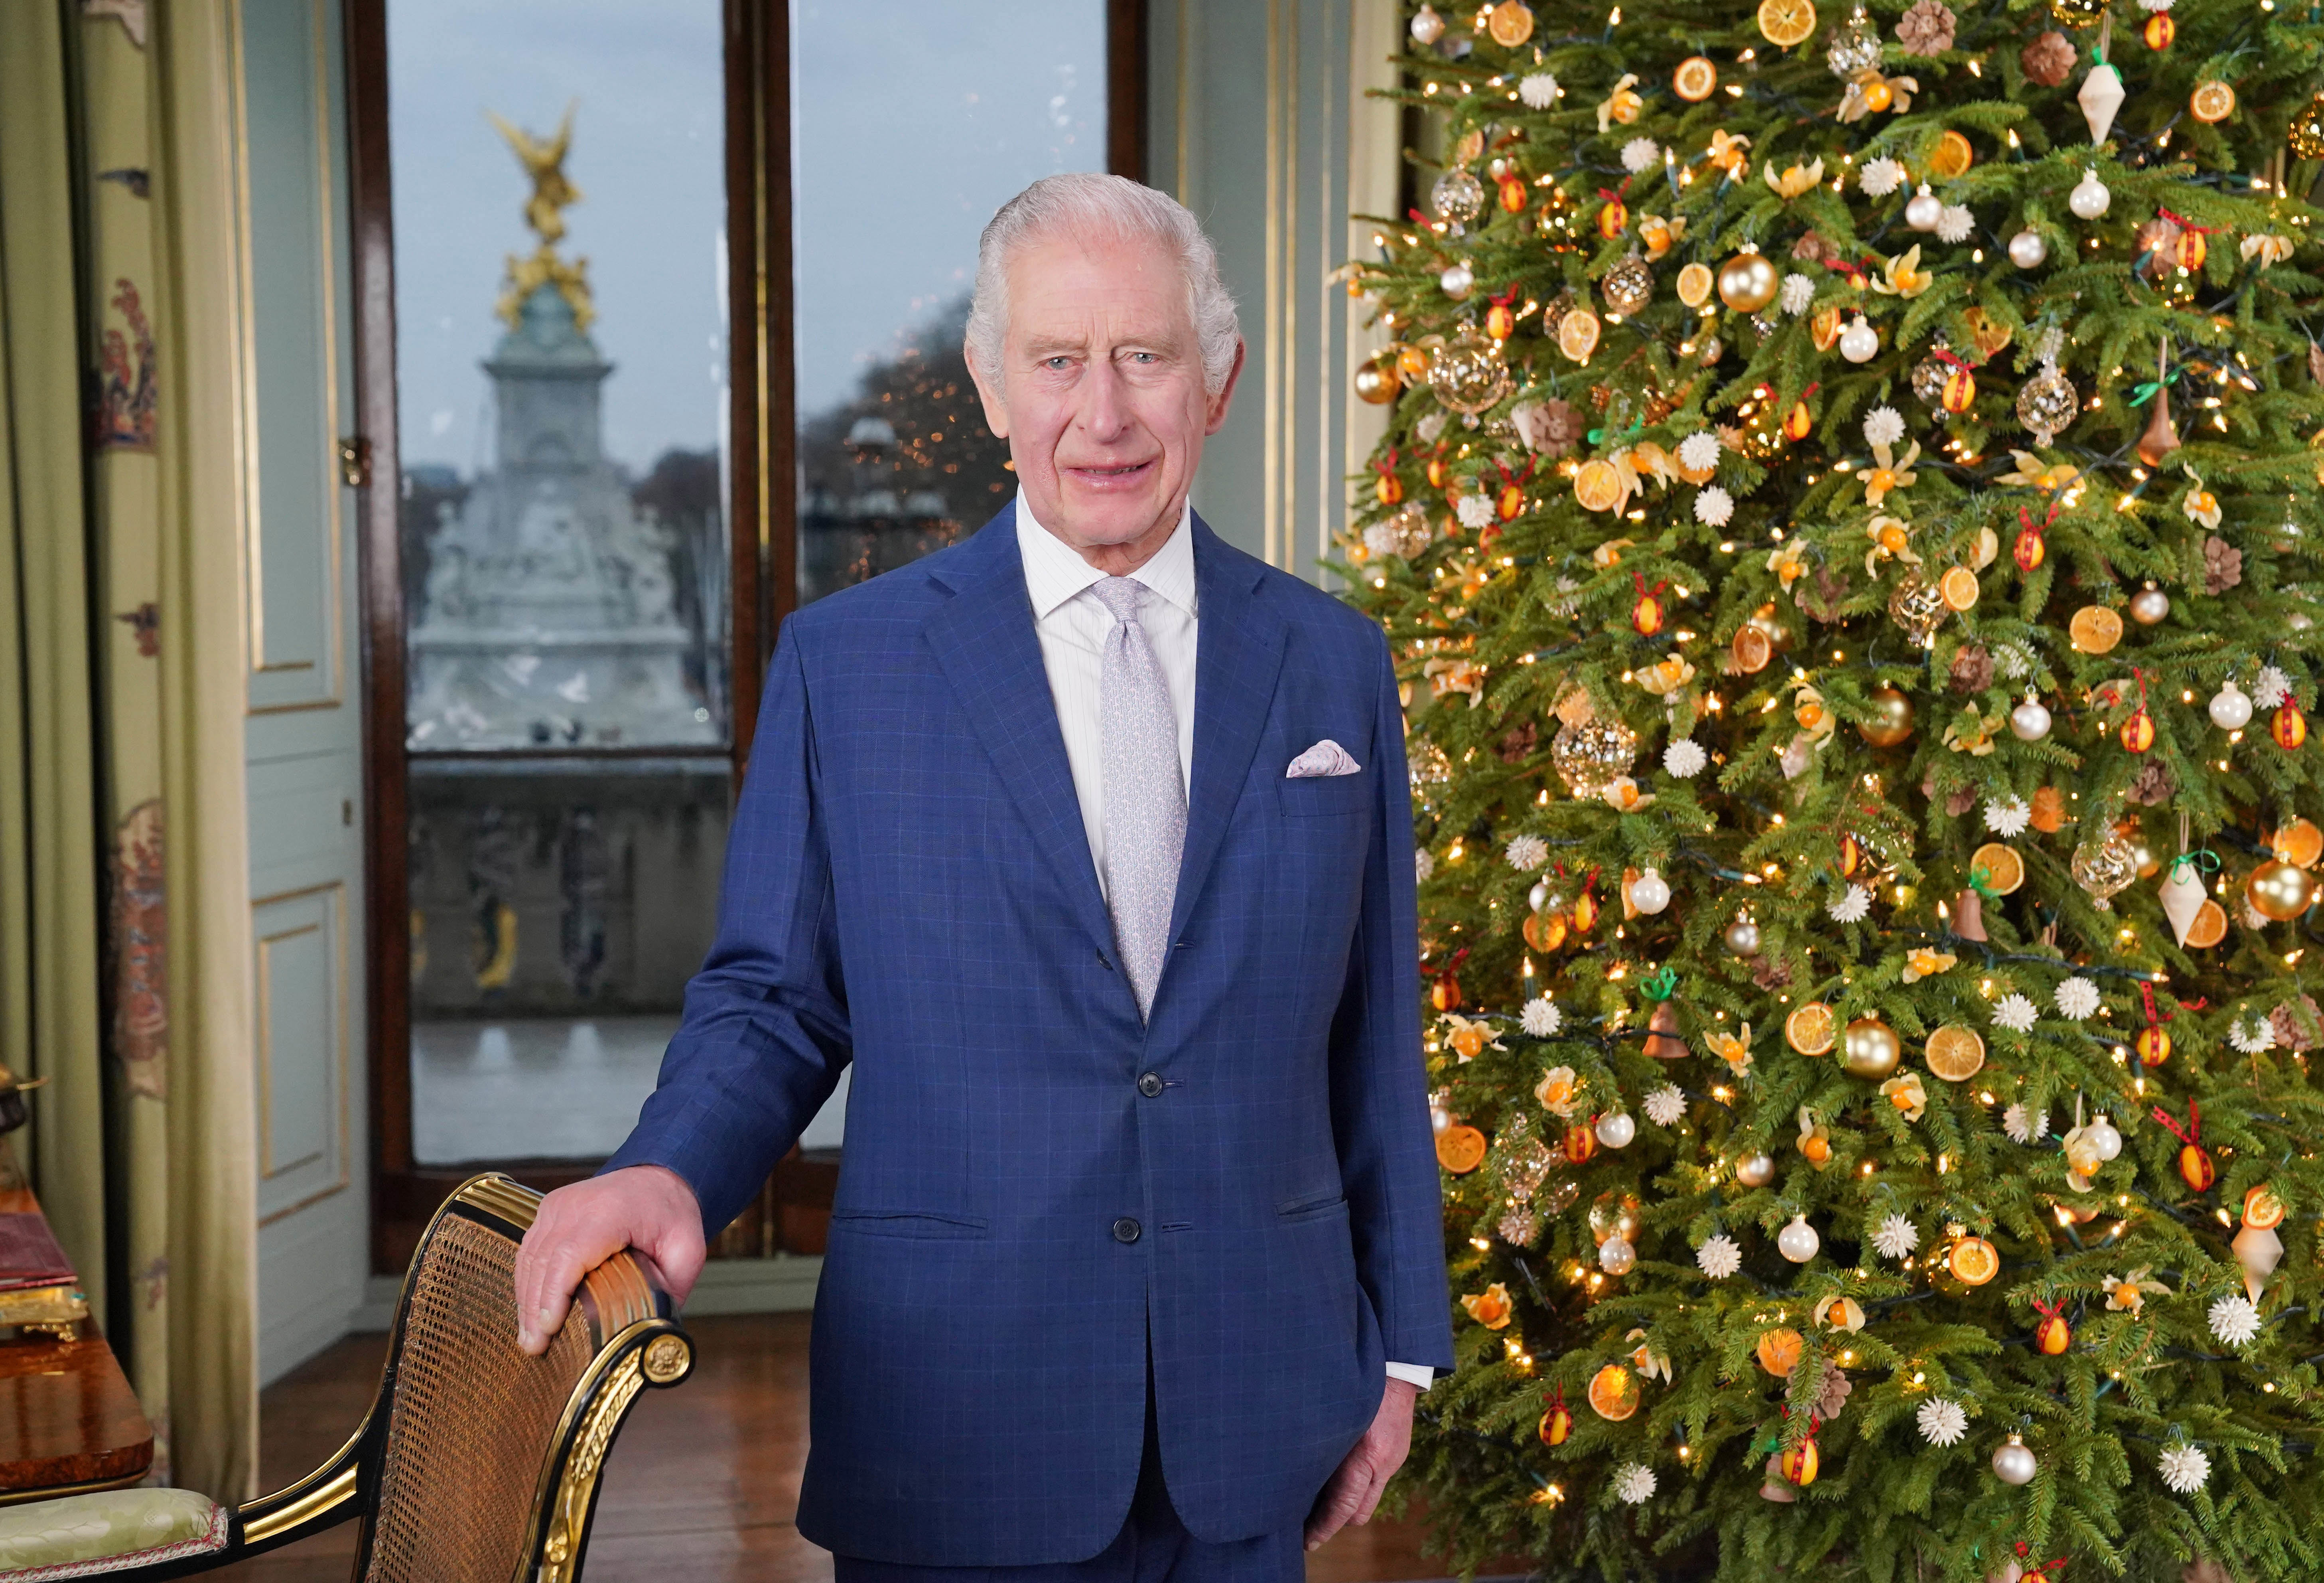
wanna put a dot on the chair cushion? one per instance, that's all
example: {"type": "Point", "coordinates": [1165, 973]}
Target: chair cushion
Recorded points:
{"type": "Point", "coordinates": [112, 1531]}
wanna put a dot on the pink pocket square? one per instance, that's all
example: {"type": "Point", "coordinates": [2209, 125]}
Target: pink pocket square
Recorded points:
{"type": "Point", "coordinates": [1327, 757]}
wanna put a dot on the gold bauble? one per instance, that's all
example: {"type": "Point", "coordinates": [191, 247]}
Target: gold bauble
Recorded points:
{"type": "Point", "coordinates": [1920, 609]}
{"type": "Point", "coordinates": [1891, 723]}
{"type": "Point", "coordinates": [1590, 755]}
{"type": "Point", "coordinates": [1747, 282]}
{"type": "Point", "coordinates": [1377, 382]}
{"type": "Point", "coordinates": [2281, 890]}
{"type": "Point", "coordinates": [1870, 1048]}
{"type": "Point", "coordinates": [1467, 375]}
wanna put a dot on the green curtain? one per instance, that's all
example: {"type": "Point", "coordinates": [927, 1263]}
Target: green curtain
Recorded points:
{"type": "Point", "coordinates": [122, 974]}
{"type": "Point", "coordinates": [50, 953]}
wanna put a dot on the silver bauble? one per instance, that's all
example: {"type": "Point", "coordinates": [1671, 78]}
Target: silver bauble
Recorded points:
{"type": "Point", "coordinates": [1467, 375]}
{"type": "Point", "coordinates": [2104, 1137]}
{"type": "Point", "coordinates": [2013, 1461]}
{"type": "Point", "coordinates": [1458, 281]}
{"type": "Point", "coordinates": [2231, 707]}
{"type": "Point", "coordinates": [1457, 197]}
{"type": "Point", "coordinates": [1929, 377]}
{"type": "Point", "coordinates": [2149, 605]}
{"type": "Point", "coordinates": [1743, 937]}
{"type": "Point", "coordinates": [2089, 198]}
{"type": "Point", "coordinates": [1860, 342]}
{"type": "Point", "coordinates": [1923, 211]}
{"type": "Point", "coordinates": [2027, 250]}
{"type": "Point", "coordinates": [1427, 27]}
{"type": "Point", "coordinates": [1616, 1256]}
{"type": "Point", "coordinates": [1538, 898]}
{"type": "Point", "coordinates": [2104, 867]}
{"type": "Point", "coordinates": [1616, 1130]}
{"type": "Point", "coordinates": [1855, 47]}
{"type": "Point", "coordinates": [1798, 1241]}
{"type": "Point", "coordinates": [1650, 892]}
{"type": "Point", "coordinates": [1755, 1170]}
{"type": "Point", "coordinates": [2029, 721]}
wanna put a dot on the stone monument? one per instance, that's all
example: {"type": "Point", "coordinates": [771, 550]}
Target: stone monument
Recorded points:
{"type": "Point", "coordinates": [549, 617]}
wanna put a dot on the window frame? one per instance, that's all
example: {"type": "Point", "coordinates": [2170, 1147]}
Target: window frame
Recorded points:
{"type": "Point", "coordinates": [762, 526]}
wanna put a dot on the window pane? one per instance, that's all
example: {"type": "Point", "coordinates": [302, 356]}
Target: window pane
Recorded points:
{"type": "Point", "coordinates": [915, 120]}
{"type": "Point", "coordinates": [560, 211]}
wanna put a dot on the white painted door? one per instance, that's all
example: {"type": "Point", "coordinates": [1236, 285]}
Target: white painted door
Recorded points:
{"type": "Point", "coordinates": [303, 740]}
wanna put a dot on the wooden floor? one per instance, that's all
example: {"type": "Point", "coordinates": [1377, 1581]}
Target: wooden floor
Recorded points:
{"type": "Point", "coordinates": [703, 1485]}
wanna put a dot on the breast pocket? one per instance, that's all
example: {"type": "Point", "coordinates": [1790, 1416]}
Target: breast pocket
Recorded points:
{"type": "Point", "coordinates": [1310, 795]}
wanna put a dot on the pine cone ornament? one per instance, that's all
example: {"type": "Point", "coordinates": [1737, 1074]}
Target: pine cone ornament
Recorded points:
{"type": "Point", "coordinates": [2223, 565]}
{"type": "Point", "coordinates": [1834, 1396]}
{"type": "Point", "coordinates": [2048, 58]}
{"type": "Point", "coordinates": [2294, 1031]}
{"type": "Point", "coordinates": [1824, 594]}
{"type": "Point", "coordinates": [1811, 248]}
{"type": "Point", "coordinates": [1927, 29]}
{"type": "Point", "coordinates": [1972, 669]}
{"type": "Point", "coordinates": [1517, 743]}
{"type": "Point", "coordinates": [1552, 426]}
{"type": "Point", "coordinates": [2152, 785]}
{"type": "Point", "coordinates": [1769, 973]}
{"type": "Point", "coordinates": [1958, 803]}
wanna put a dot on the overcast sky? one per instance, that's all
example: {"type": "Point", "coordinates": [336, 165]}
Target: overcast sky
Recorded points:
{"type": "Point", "coordinates": [914, 119]}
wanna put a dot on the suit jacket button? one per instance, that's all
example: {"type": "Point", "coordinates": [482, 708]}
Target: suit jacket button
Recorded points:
{"type": "Point", "coordinates": [1150, 1084]}
{"type": "Point", "coordinates": [1125, 1230]}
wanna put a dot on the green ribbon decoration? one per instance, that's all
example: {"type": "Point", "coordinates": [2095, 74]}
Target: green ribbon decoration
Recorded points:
{"type": "Point", "coordinates": [2144, 391]}
{"type": "Point", "coordinates": [1661, 985]}
{"type": "Point", "coordinates": [2203, 860]}
{"type": "Point", "coordinates": [1598, 436]}
{"type": "Point", "coordinates": [1980, 880]}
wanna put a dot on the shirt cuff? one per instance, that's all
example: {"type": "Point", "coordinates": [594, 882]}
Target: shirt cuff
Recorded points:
{"type": "Point", "coordinates": [1418, 1374]}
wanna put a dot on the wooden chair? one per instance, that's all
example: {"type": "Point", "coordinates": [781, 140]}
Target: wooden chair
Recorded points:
{"type": "Point", "coordinates": [475, 1463]}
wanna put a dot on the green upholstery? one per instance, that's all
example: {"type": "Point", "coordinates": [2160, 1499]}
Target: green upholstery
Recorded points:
{"type": "Point", "coordinates": [87, 1536]}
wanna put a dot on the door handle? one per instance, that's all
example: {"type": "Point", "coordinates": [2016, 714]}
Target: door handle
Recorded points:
{"type": "Point", "coordinates": [354, 461]}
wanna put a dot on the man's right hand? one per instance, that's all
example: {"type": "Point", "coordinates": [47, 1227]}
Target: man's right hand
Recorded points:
{"type": "Point", "coordinates": [643, 1207]}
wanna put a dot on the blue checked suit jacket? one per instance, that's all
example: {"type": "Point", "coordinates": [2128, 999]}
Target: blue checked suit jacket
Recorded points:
{"type": "Point", "coordinates": [908, 887]}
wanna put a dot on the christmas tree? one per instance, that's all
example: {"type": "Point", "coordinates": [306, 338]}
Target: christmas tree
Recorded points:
{"type": "Point", "coordinates": [1844, 529]}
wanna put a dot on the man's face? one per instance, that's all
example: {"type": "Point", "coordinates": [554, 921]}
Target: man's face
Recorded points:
{"type": "Point", "coordinates": [1100, 389]}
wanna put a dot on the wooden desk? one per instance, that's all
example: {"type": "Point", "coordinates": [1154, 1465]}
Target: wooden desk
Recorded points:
{"type": "Point", "coordinates": [69, 1421]}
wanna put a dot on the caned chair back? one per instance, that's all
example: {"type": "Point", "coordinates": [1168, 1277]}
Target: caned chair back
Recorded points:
{"type": "Point", "coordinates": [477, 1463]}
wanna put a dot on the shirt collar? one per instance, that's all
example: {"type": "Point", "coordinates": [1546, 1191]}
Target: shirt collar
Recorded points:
{"type": "Point", "coordinates": [1055, 571]}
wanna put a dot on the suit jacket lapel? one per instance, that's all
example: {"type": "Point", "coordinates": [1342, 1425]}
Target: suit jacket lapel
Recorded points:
{"type": "Point", "coordinates": [983, 638]}
{"type": "Point", "coordinates": [1238, 652]}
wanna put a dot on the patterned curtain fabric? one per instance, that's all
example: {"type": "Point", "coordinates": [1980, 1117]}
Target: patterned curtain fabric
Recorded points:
{"type": "Point", "coordinates": [124, 902]}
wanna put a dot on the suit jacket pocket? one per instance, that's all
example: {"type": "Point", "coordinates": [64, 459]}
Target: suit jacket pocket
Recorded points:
{"type": "Point", "coordinates": [1315, 1205]}
{"type": "Point", "coordinates": [907, 1223]}
{"type": "Point", "coordinates": [1321, 794]}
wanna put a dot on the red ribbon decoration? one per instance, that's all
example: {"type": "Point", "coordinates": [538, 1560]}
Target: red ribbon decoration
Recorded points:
{"type": "Point", "coordinates": [2190, 1135]}
{"type": "Point", "coordinates": [2026, 521]}
{"type": "Point", "coordinates": [2050, 1310]}
{"type": "Point", "coordinates": [1640, 578]}
{"type": "Point", "coordinates": [1385, 467]}
{"type": "Point", "coordinates": [1854, 272]}
{"type": "Point", "coordinates": [1945, 355]}
{"type": "Point", "coordinates": [1524, 477]}
{"type": "Point", "coordinates": [1615, 195]}
{"type": "Point", "coordinates": [1504, 299]}
{"type": "Point", "coordinates": [2042, 1569]}
{"type": "Point", "coordinates": [2184, 224]}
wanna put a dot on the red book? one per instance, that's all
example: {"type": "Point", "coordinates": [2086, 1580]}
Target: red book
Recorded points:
{"type": "Point", "coordinates": [30, 1256]}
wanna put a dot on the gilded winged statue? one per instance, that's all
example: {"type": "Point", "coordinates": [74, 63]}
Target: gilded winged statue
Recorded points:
{"type": "Point", "coordinates": [544, 162]}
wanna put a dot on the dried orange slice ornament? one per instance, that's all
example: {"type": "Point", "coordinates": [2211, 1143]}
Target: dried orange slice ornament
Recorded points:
{"type": "Point", "coordinates": [1953, 156]}
{"type": "Point", "coordinates": [2005, 871]}
{"type": "Point", "coordinates": [2094, 629]}
{"type": "Point", "coordinates": [1974, 1261]}
{"type": "Point", "coordinates": [1460, 1149]}
{"type": "Point", "coordinates": [2209, 928]}
{"type": "Point", "coordinates": [1577, 334]}
{"type": "Point", "coordinates": [2263, 1210]}
{"type": "Point", "coordinates": [2300, 843]}
{"type": "Point", "coordinates": [1694, 284]}
{"type": "Point", "coordinates": [1812, 1029]}
{"type": "Point", "coordinates": [1695, 79]}
{"type": "Point", "coordinates": [2212, 101]}
{"type": "Point", "coordinates": [1614, 1393]}
{"type": "Point", "coordinates": [1779, 1352]}
{"type": "Point", "coordinates": [1958, 589]}
{"type": "Point", "coordinates": [1597, 485]}
{"type": "Point", "coordinates": [1955, 1052]}
{"type": "Point", "coordinates": [1785, 22]}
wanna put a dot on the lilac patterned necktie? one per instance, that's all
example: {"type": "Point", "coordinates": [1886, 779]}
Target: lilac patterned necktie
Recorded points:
{"type": "Point", "coordinates": [1145, 799]}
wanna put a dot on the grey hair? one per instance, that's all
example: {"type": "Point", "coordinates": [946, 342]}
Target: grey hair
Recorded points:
{"type": "Point", "coordinates": [1111, 207]}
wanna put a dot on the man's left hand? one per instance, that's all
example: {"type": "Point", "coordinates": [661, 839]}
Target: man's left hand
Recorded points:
{"type": "Point", "coordinates": [1355, 1489]}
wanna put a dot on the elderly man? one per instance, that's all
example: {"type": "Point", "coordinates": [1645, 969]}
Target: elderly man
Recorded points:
{"type": "Point", "coordinates": [1087, 841]}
